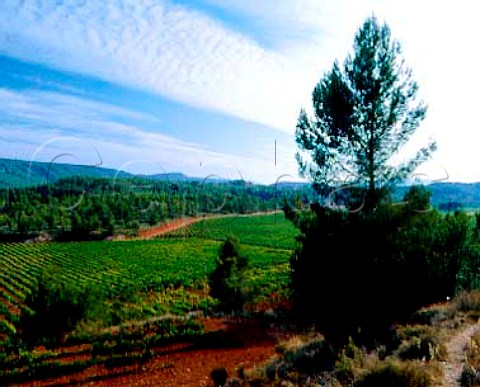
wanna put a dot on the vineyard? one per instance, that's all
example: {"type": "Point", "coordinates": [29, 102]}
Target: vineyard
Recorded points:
{"type": "Point", "coordinates": [271, 230]}
{"type": "Point", "coordinates": [144, 282]}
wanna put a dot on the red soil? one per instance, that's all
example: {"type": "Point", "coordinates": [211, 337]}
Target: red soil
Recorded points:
{"type": "Point", "coordinates": [167, 227]}
{"type": "Point", "coordinates": [231, 345]}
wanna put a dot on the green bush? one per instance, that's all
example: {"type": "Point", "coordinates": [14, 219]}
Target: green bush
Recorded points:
{"type": "Point", "coordinates": [57, 307]}
{"type": "Point", "coordinates": [420, 349]}
{"type": "Point", "coordinates": [227, 281]}
{"type": "Point", "coordinates": [350, 358]}
{"type": "Point", "coordinates": [355, 273]}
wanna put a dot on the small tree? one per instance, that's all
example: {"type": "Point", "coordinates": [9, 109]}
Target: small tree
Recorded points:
{"type": "Point", "coordinates": [227, 280]}
{"type": "Point", "coordinates": [57, 307]}
{"type": "Point", "coordinates": [364, 112]}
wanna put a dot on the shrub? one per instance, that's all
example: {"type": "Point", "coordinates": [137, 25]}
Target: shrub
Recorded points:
{"type": "Point", "coordinates": [385, 264]}
{"type": "Point", "coordinates": [219, 376]}
{"type": "Point", "coordinates": [351, 359]}
{"type": "Point", "coordinates": [433, 316]}
{"type": "Point", "coordinates": [468, 301]}
{"type": "Point", "coordinates": [344, 371]}
{"type": "Point", "coordinates": [227, 282]}
{"type": "Point", "coordinates": [57, 307]}
{"type": "Point", "coordinates": [420, 349]}
{"type": "Point", "coordinates": [421, 342]}
{"type": "Point", "coordinates": [395, 374]}
{"type": "Point", "coordinates": [311, 357]}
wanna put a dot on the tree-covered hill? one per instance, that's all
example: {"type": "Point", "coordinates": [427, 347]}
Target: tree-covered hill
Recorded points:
{"type": "Point", "coordinates": [82, 208]}
{"type": "Point", "coordinates": [23, 173]}
{"type": "Point", "coordinates": [450, 196]}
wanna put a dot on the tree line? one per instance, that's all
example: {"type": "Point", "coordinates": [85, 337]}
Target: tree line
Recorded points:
{"type": "Point", "coordinates": [88, 208]}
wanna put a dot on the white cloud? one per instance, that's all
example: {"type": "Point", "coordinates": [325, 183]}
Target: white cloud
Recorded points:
{"type": "Point", "coordinates": [156, 46]}
{"type": "Point", "coordinates": [44, 126]}
{"type": "Point", "coordinates": [190, 57]}
{"type": "Point", "coordinates": [439, 41]}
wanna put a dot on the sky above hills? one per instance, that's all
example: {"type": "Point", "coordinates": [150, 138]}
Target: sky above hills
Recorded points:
{"type": "Point", "coordinates": [214, 87]}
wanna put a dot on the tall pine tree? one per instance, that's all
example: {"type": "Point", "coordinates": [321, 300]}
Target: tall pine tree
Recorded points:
{"type": "Point", "coordinates": [364, 112]}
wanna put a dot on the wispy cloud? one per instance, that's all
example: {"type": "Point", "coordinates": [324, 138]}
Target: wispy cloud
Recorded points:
{"type": "Point", "coordinates": [44, 126]}
{"type": "Point", "coordinates": [157, 46]}
{"type": "Point", "coordinates": [188, 55]}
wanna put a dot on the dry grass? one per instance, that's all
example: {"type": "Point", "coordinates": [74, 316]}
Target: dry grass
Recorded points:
{"type": "Point", "coordinates": [397, 373]}
{"type": "Point", "coordinates": [469, 302]}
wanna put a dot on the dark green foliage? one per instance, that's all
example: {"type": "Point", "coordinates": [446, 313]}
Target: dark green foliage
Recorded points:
{"type": "Point", "coordinates": [57, 307]}
{"type": "Point", "coordinates": [356, 273]}
{"type": "Point", "coordinates": [227, 280]}
{"type": "Point", "coordinates": [417, 198]}
{"type": "Point", "coordinates": [80, 208]}
{"type": "Point", "coordinates": [449, 196]}
{"type": "Point", "coordinates": [364, 112]}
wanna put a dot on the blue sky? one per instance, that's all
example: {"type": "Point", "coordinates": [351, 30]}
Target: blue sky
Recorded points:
{"type": "Point", "coordinates": [209, 87]}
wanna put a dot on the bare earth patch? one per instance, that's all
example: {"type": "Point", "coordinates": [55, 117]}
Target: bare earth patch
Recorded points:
{"type": "Point", "coordinates": [228, 343]}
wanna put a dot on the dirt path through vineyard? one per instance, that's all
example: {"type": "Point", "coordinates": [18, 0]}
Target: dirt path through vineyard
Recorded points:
{"type": "Point", "coordinates": [180, 223]}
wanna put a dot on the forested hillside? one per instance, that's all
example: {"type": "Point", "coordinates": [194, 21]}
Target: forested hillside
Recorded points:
{"type": "Point", "coordinates": [82, 208]}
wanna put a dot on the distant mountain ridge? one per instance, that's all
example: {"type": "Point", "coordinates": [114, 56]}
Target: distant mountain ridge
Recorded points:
{"type": "Point", "coordinates": [22, 173]}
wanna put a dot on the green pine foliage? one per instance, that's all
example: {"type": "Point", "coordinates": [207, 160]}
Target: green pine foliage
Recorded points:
{"type": "Point", "coordinates": [363, 113]}
{"type": "Point", "coordinates": [57, 307]}
{"type": "Point", "coordinates": [81, 208]}
{"type": "Point", "coordinates": [374, 268]}
{"type": "Point", "coordinates": [227, 281]}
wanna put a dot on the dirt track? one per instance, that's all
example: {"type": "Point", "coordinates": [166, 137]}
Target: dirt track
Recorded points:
{"type": "Point", "coordinates": [167, 227]}
{"type": "Point", "coordinates": [177, 224]}
{"type": "Point", "coordinates": [456, 356]}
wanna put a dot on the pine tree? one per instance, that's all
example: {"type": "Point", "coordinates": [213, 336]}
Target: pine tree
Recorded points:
{"type": "Point", "coordinates": [364, 112]}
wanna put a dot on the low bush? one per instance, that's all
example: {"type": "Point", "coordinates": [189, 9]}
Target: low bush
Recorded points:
{"type": "Point", "coordinates": [57, 308]}
{"type": "Point", "coordinates": [421, 342]}
{"type": "Point", "coordinates": [219, 376]}
{"type": "Point", "coordinates": [350, 361]}
{"type": "Point", "coordinates": [227, 281]}
{"type": "Point", "coordinates": [396, 374]}
{"type": "Point", "coordinates": [300, 359]}
{"type": "Point", "coordinates": [468, 301]}
{"type": "Point", "coordinates": [433, 316]}
{"type": "Point", "coordinates": [311, 357]}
